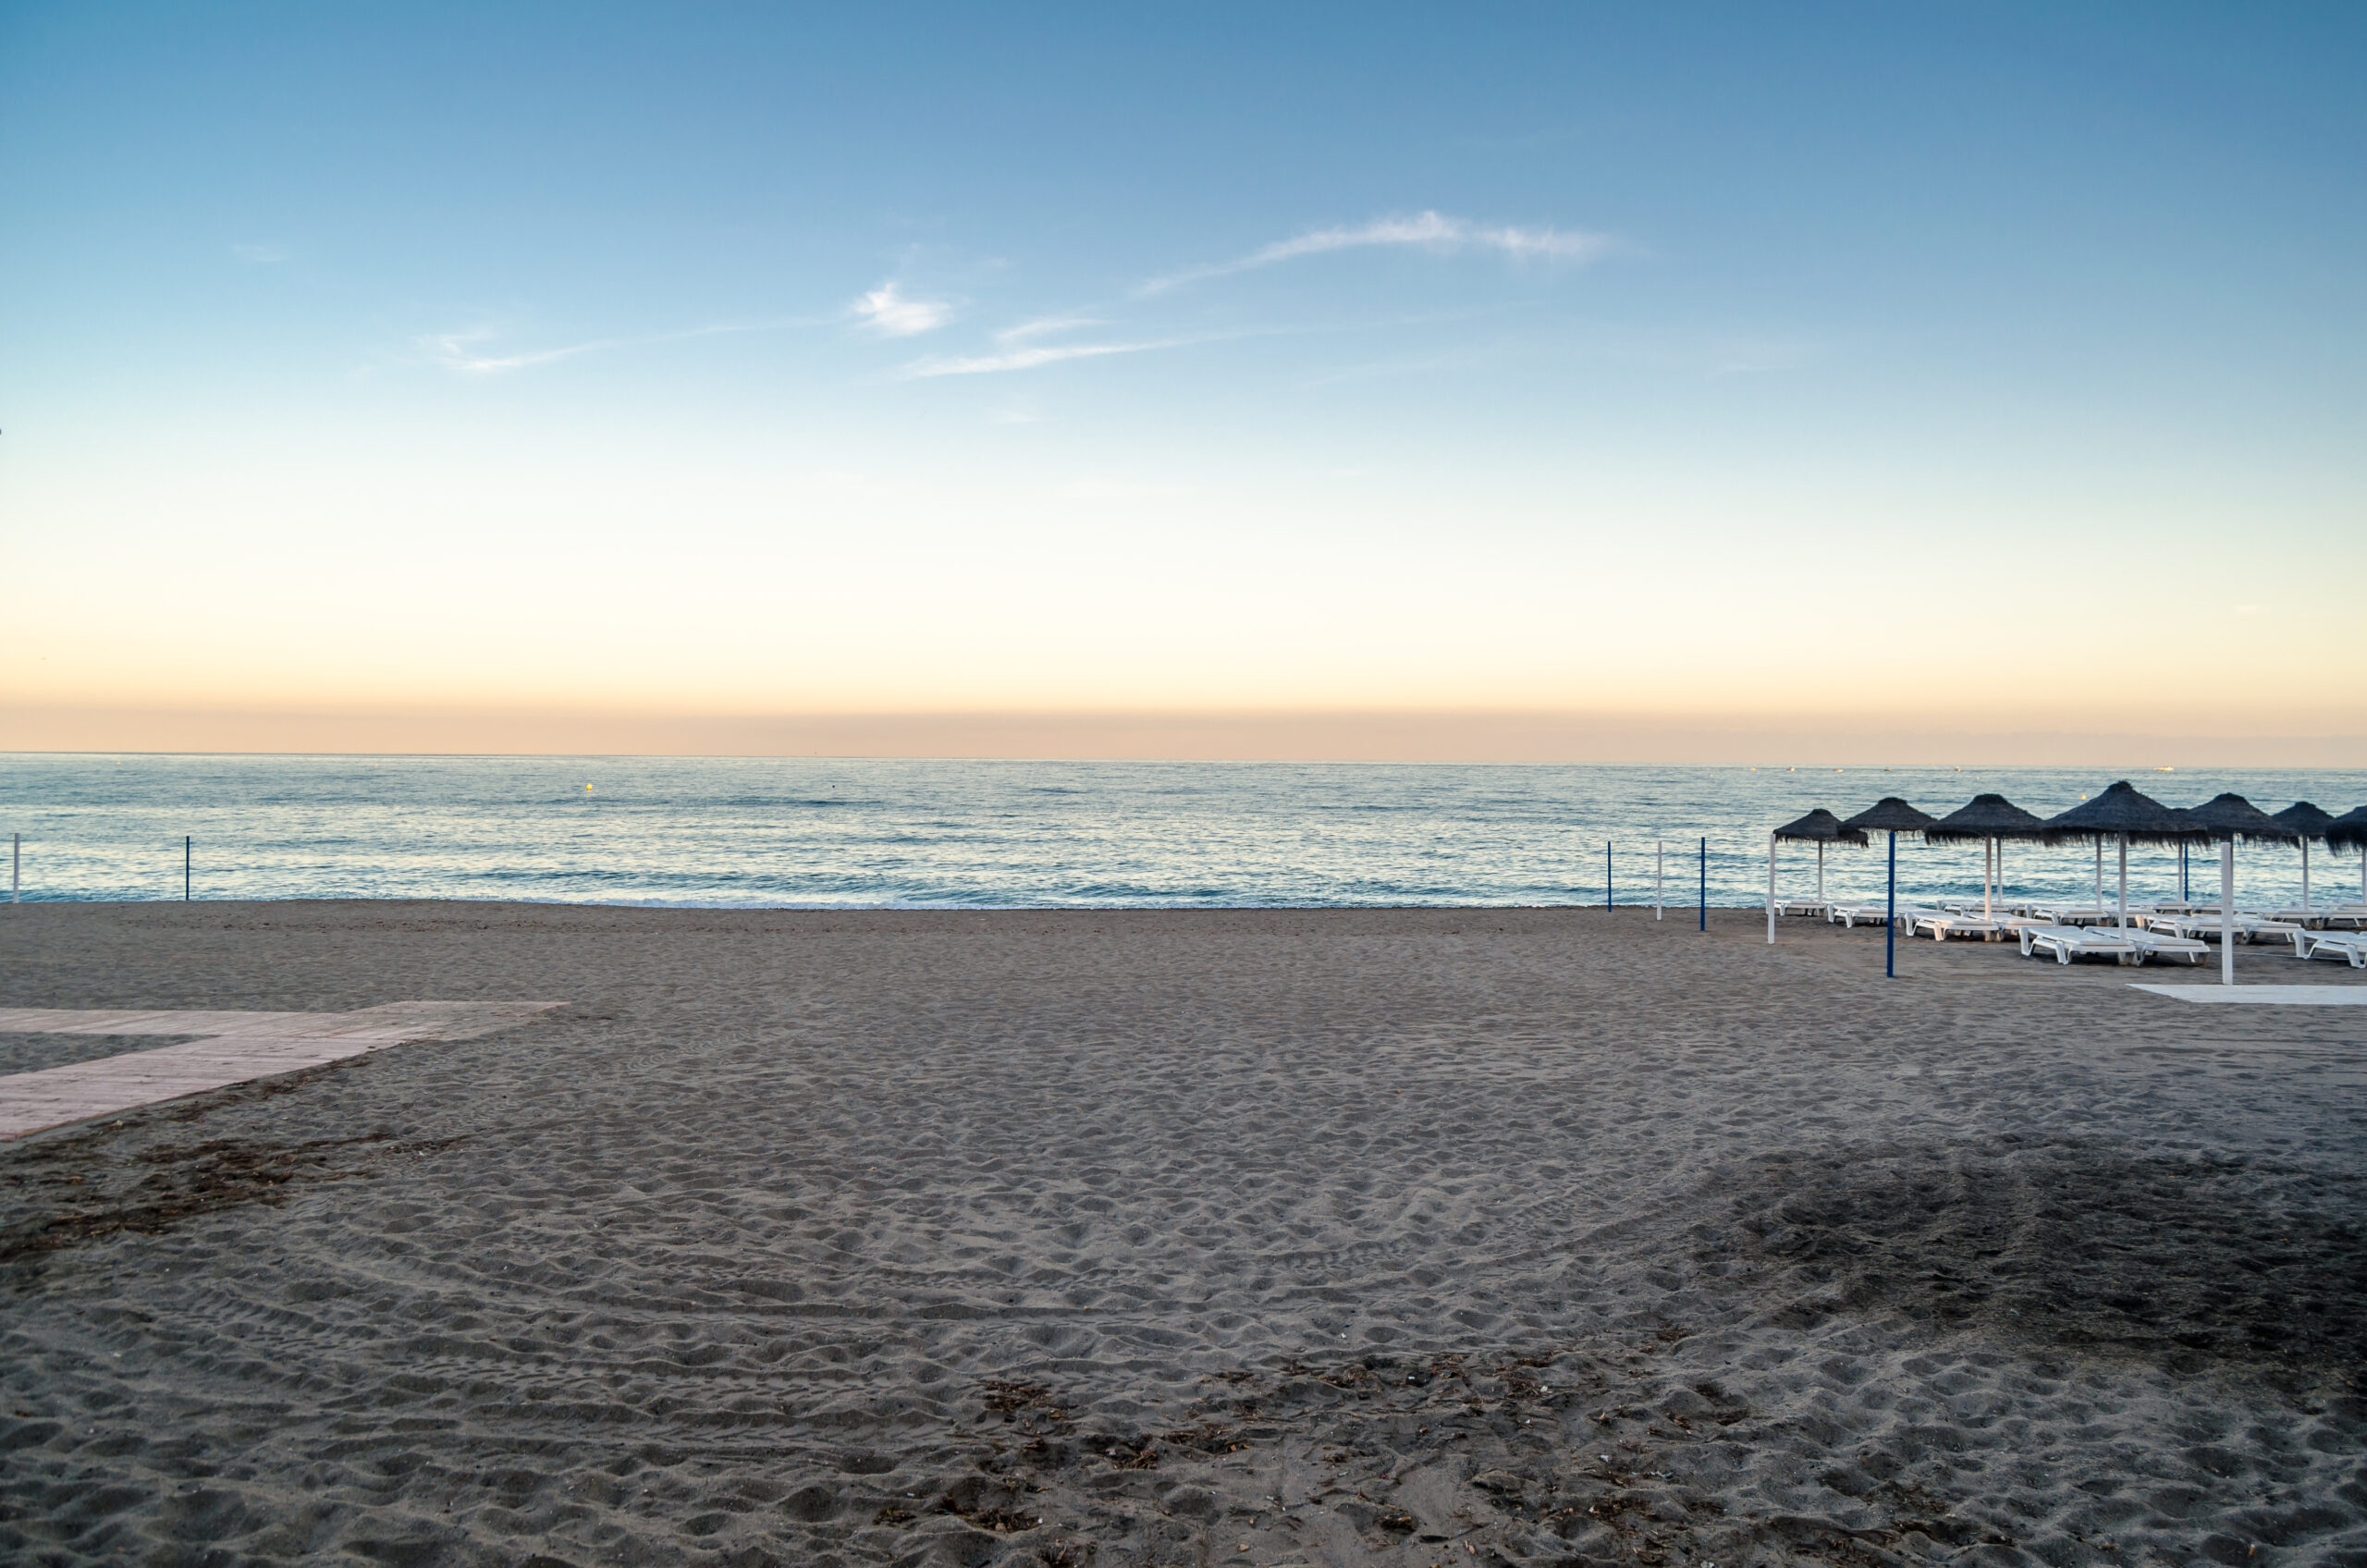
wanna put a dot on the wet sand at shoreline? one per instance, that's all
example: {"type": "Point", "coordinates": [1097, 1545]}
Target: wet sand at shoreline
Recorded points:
{"type": "Point", "coordinates": [1145, 1237]}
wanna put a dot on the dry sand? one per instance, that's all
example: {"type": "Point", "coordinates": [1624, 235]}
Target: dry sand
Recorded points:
{"type": "Point", "coordinates": [1345, 1237]}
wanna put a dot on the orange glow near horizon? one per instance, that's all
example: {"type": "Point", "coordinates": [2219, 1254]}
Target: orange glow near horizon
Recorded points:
{"type": "Point", "coordinates": [1332, 735]}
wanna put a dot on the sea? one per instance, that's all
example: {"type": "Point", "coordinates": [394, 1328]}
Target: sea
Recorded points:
{"type": "Point", "coordinates": [808, 833]}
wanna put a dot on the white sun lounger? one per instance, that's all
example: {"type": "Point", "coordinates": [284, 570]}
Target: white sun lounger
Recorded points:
{"type": "Point", "coordinates": [1853, 915]}
{"type": "Point", "coordinates": [1943, 926]}
{"type": "Point", "coordinates": [2154, 944]}
{"type": "Point", "coordinates": [2351, 917]}
{"type": "Point", "coordinates": [1813, 907]}
{"type": "Point", "coordinates": [2348, 944]}
{"type": "Point", "coordinates": [2067, 942]}
{"type": "Point", "coordinates": [2249, 927]}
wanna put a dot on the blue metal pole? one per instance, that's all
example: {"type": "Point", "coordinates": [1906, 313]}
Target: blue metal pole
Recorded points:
{"type": "Point", "coordinates": [1890, 927]}
{"type": "Point", "coordinates": [1606, 875]}
{"type": "Point", "coordinates": [188, 841]}
{"type": "Point", "coordinates": [1705, 884]}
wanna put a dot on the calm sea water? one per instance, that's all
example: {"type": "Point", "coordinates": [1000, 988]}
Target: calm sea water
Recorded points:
{"type": "Point", "coordinates": [807, 832]}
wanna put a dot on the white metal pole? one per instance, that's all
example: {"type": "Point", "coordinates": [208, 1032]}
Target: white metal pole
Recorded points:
{"type": "Point", "coordinates": [1988, 875]}
{"type": "Point", "coordinates": [16, 867]}
{"type": "Point", "coordinates": [1771, 889]}
{"type": "Point", "coordinates": [2305, 880]}
{"type": "Point", "coordinates": [2227, 912]}
{"type": "Point", "coordinates": [1659, 871]}
{"type": "Point", "coordinates": [2124, 881]}
{"type": "Point", "coordinates": [1820, 871]}
{"type": "Point", "coordinates": [2100, 878]}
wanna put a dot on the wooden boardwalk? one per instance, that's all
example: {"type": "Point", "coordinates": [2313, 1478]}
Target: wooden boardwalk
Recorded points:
{"type": "Point", "coordinates": [237, 1048]}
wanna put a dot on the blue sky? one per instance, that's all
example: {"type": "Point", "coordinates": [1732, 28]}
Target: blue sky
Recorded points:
{"type": "Point", "coordinates": [744, 358]}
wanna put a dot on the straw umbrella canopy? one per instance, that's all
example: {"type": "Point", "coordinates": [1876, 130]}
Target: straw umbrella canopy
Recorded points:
{"type": "Point", "coordinates": [2349, 831]}
{"type": "Point", "coordinates": [1891, 815]}
{"type": "Point", "coordinates": [1818, 828]}
{"type": "Point", "coordinates": [2120, 813]}
{"type": "Point", "coordinates": [2309, 823]}
{"type": "Point", "coordinates": [1992, 819]}
{"type": "Point", "coordinates": [2232, 816]}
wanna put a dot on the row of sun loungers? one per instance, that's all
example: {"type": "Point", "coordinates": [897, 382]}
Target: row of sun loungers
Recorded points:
{"type": "Point", "coordinates": [2066, 932]}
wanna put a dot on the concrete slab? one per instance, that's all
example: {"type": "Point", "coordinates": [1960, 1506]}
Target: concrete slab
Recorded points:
{"type": "Point", "coordinates": [238, 1047]}
{"type": "Point", "coordinates": [2260, 995]}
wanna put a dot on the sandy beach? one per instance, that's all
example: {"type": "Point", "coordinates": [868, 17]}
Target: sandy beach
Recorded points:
{"type": "Point", "coordinates": [1342, 1237]}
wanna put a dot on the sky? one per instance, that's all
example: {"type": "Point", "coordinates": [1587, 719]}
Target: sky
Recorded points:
{"type": "Point", "coordinates": [744, 377]}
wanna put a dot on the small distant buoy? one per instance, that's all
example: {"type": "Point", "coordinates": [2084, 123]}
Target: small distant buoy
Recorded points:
{"type": "Point", "coordinates": [588, 789]}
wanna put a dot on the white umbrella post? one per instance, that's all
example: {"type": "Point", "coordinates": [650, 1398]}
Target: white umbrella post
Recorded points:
{"type": "Point", "coordinates": [2124, 881]}
{"type": "Point", "coordinates": [1820, 871]}
{"type": "Point", "coordinates": [2227, 912]}
{"type": "Point", "coordinates": [1771, 889]}
{"type": "Point", "coordinates": [2100, 877]}
{"type": "Point", "coordinates": [2305, 881]}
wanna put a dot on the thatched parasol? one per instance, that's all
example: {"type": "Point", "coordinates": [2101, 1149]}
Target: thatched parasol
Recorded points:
{"type": "Point", "coordinates": [1988, 816]}
{"type": "Point", "coordinates": [2227, 818]}
{"type": "Point", "coordinates": [1992, 819]}
{"type": "Point", "coordinates": [1891, 815]}
{"type": "Point", "coordinates": [2309, 823]}
{"type": "Point", "coordinates": [2349, 831]}
{"type": "Point", "coordinates": [2120, 813]}
{"type": "Point", "coordinates": [2123, 816]}
{"type": "Point", "coordinates": [2305, 819]}
{"type": "Point", "coordinates": [2232, 816]}
{"type": "Point", "coordinates": [1818, 828]}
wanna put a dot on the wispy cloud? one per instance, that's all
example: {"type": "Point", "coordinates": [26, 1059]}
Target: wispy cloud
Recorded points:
{"type": "Point", "coordinates": [1030, 359]}
{"type": "Point", "coordinates": [462, 352]}
{"type": "Point", "coordinates": [1043, 326]}
{"type": "Point", "coordinates": [886, 311]}
{"type": "Point", "coordinates": [260, 253]}
{"type": "Point", "coordinates": [1430, 230]}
